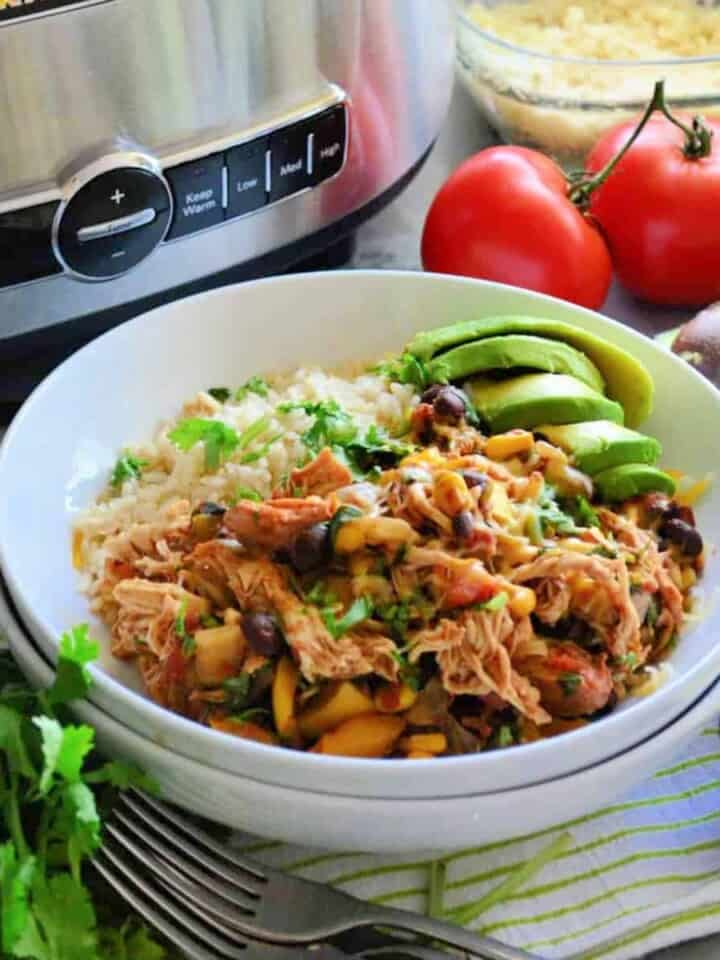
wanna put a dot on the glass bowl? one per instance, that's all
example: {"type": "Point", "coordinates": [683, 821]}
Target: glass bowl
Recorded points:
{"type": "Point", "coordinates": [562, 104]}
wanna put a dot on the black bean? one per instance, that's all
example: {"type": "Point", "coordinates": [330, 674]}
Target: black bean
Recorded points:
{"type": "Point", "coordinates": [429, 395]}
{"type": "Point", "coordinates": [463, 525]}
{"type": "Point", "coordinates": [474, 478]}
{"type": "Point", "coordinates": [311, 548]}
{"type": "Point", "coordinates": [262, 633]}
{"type": "Point", "coordinates": [683, 536]}
{"type": "Point", "coordinates": [209, 509]}
{"type": "Point", "coordinates": [450, 403]}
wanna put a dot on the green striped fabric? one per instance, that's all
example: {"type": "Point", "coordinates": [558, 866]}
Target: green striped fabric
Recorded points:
{"type": "Point", "coordinates": [621, 882]}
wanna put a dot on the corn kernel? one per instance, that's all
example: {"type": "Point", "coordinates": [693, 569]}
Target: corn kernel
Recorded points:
{"type": "Point", "coordinates": [522, 601]}
{"type": "Point", "coordinates": [505, 445]}
{"type": "Point", "coordinates": [420, 755]}
{"type": "Point", "coordinates": [350, 537]}
{"type": "Point", "coordinates": [394, 698]}
{"type": "Point", "coordinates": [433, 743]}
{"type": "Point", "coordinates": [689, 578]}
{"type": "Point", "coordinates": [450, 493]}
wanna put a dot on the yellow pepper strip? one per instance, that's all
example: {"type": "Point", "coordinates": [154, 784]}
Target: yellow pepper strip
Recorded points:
{"type": "Point", "coordinates": [425, 742]}
{"type": "Point", "coordinates": [505, 445]}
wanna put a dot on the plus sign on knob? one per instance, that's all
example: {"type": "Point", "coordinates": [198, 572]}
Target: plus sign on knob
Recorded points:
{"type": "Point", "coordinates": [113, 217]}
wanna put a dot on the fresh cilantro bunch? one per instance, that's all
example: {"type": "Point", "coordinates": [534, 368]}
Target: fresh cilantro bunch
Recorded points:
{"type": "Point", "coordinates": [221, 441]}
{"type": "Point", "coordinates": [50, 790]}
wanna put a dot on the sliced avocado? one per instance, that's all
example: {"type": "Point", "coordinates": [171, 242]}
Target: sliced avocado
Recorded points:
{"type": "Point", "coordinates": [630, 479]}
{"type": "Point", "coordinates": [626, 378]}
{"type": "Point", "coordinates": [601, 444]}
{"type": "Point", "coordinates": [535, 398]}
{"type": "Point", "coordinates": [516, 350]}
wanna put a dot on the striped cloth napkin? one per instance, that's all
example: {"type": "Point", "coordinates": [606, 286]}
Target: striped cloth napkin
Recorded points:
{"type": "Point", "coordinates": [622, 882]}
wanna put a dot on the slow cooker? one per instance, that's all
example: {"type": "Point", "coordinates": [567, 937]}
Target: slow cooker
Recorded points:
{"type": "Point", "coordinates": [152, 148]}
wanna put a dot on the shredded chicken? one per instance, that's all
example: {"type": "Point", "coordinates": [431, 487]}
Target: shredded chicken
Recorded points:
{"type": "Point", "coordinates": [321, 476]}
{"type": "Point", "coordinates": [274, 524]}
{"type": "Point", "coordinates": [474, 657]}
{"type": "Point", "coordinates": [604, 603]}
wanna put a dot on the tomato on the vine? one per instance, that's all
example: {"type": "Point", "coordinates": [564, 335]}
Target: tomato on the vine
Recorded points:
{"type": "Point", "coordinates": [660, 207]}
{"type": "Point", "coordinates": [505, 215]}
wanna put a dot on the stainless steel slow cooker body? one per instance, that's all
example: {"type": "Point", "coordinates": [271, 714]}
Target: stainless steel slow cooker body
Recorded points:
{"type": "Point", "coordinates": [147, 146]}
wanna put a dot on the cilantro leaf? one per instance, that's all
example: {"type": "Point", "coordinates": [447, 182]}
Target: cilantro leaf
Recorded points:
{"type": "Point", "coordinates": [245, 493]}
{"type": "Point", "coordinates": [254, 385]}
{"type": "Point", "coordinates": [407, 369]}
{"type": "Point", "coordinates": [493, 604]}
{"type": "Point", "coordinates": [16, 878]}
{"type": "Point", "coordinates": [376, 448]}
{"type": "Point", "coordinates": [505, 736]}
{"type": "Point", "coordinates": [64, 750]}
{"type": "Point", "coordinates": [409, 673]}
{"type": "Point", "coordinates": [188, 642]}
{"type": "Point", "coordinates": [332, 426]}
{"type": "Point", "coordinates": [258, 454]}
{"type": "Point", "coordinates": [122, 776]}
{"type": "Point", "coordinates": [12, 743]}
{"type": "Point", "coordinates": [79, 822]}
{"type": "Point", "coordinates": [221, 394]}
{"type": "Point", "coordinates": [218, 439]}
{"type": "Point", "coordinates": [653, 612]}
{"type": "Point", "coordinates": [550, 515]}
{"type": "Point", "coordinates": [66, 917]}
{"type": "Point", "coordinates": [73, 679]}
{"type": "Point", "coordinates": [584, 513]}
{"type": "Point", "coordinates": [569, 683]}
{"type": "Point", "coordinates": [129, 942]}
{"type": "Point", "coordinates": [359, 610]}
{"type": "Point", "coordinates": [237, 690]}
{"type": "Point", "coordinates": [126, 468]}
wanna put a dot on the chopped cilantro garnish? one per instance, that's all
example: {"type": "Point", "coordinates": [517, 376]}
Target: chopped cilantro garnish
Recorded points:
{"type": "Point", "coordinates": [406, 369]}
{"type": "Point", "coordinates": [221, 394]}
{"type": "Point", "coordinates": [207, 621]}
{"type": "Point", "coordinates": [256, 429]}
{"type": "Point", "coordinates": [332, 426]}
{"type": "Point", "coordinates": [249, 714]}
{"type": "Point", "coordinates": [126, 468]}
{"type": "Point", "coordinates": [409, 673]}
{"type": "Point", "coordinates": [237, 691]}
{"type": "Point", "coordinates": [505, 736]}
{"type": "Point", "coordinates": [604, 552]}
{"type": "Point", "coordinates": [358, 611]}
{"type": "Point", "coordinates": [188, 642]}
{"type": "Point", "coordinates": [584, 513]}
{"type": "Point", "coordinates": [219, 440]}
{"type": "Point", "coordinates": [376, 449]}
{"type": "Point", "coordinates": [254, 385]}
{"type": "Point", "coordinates": [653, 612]}
{"type": "Point", "coordinates": [262, 451]}
{"type": "Point", "coordinates": [245, 493]}
{"type": "Point", "coordinates": [493, 604]}
{"type": "Point", "coordinates": [569, 683]}
{"type": "Point", "coordinates": [629, 660]}
{"type": "Point", "coordinates": [550, 515]}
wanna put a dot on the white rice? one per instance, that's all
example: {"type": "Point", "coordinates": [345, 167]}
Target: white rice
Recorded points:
{"type": "Point", "coordinates": [173, 475]}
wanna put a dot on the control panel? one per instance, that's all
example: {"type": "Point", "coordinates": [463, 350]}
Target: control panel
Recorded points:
{"type": "Point", "coordinates": [116, 211]}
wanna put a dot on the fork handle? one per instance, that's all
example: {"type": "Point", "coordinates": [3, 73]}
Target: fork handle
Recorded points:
{"type": "Point", "coordinates": [447, 933]}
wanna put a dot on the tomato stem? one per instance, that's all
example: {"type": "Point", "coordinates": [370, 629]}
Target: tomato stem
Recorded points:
{"type": "Point", "coordinates": [698, 144]}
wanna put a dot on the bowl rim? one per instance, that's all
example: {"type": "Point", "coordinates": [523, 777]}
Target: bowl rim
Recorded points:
{"type": "Point", "coordinates": [665, 62]}
{"type": "Point", "coordinates": [303, 761]}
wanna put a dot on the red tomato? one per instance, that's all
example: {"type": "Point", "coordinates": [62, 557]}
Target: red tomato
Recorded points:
{"type": "Point", "coordinates": [659, 211]}
{"type": "Point", "coordinates": [473, 585]}
{"type": "Point", "coordinates": [504, 215]}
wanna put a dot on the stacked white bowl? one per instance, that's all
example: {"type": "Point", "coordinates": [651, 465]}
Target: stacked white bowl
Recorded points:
{"type": "Point", "coordinates": [56, 458]}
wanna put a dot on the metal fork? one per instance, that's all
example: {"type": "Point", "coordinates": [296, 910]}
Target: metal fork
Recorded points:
{"type": "Point", "coordinates": [255, 900]}
{"type": "Point", "coordinates": [199, 939]}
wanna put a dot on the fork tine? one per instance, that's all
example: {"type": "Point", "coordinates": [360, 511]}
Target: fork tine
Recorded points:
{"type": "Point", "coordinates": [205, 874]}
{"type": "Point", "coordinates": [113, 869]}
{"type": "Point", "coordinates": [257, 872]}
{"type": "Point", "coordinates": [236, 887]}
{"type": "Point", "coordinates": [176, 882]}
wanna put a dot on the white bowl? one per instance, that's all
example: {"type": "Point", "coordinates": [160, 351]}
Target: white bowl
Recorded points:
{"type": "Point", "coordinates": [382, 826]}
{"type": "Point", "coordinates": [57, 454]}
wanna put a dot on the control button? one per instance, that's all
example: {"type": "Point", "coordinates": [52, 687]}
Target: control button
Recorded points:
{"type": "Point", "coordinates": [131, 222]}
{"type": "Point", "coordinates": [328, 138]}
{"type": "Point", "coordinates": [84, 242]}
{"type": "Point", "coordinates": [246, 177]}
{"type": "Point", "coordinates": [289, 161]}
{"type": "Point", "coordinates": [197, 187]}
{"type": "Point", "coordinates": [26, 244]}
